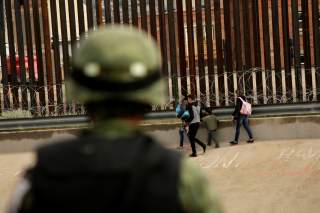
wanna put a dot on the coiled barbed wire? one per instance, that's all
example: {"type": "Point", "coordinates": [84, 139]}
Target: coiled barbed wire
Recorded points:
{"type": "Point", "coordinates": [259, 85]}
{"type": "Point", "coordinates": [271, 87]}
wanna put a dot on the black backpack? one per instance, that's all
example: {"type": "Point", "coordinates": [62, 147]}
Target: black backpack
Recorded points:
{"type": "Point", "coordinates": [92, 174]}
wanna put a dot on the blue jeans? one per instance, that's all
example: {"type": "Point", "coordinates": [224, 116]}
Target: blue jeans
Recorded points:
{"type": "Point", "coordinates": [243, 119]}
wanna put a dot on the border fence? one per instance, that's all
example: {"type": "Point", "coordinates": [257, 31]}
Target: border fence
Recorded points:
{"type": "Point", "coordinates": [267, 48]}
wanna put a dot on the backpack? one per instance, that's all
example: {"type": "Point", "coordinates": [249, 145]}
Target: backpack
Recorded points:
{"type": "Point", "coordinates": [67, 178]}
{"type": "Point", "coordinates": [246, 107]}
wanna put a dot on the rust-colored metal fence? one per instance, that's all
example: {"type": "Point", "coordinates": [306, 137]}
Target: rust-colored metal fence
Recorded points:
{"type": "Point", "coordinates": [268, 48]}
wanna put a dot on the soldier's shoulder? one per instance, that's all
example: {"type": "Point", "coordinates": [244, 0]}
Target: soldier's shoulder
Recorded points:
{"type": "Point", "coordinates": [190, 171]}
{"type": "Point", "coordinates": [195, 192]}
{"type": "Point", "coordinates": [56, 145]}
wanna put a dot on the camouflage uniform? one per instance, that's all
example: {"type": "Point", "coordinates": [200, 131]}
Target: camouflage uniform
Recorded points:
{"type": "Point", "coordinates": [124, 55]}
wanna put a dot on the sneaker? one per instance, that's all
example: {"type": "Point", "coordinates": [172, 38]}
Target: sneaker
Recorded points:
{"type": "Point", "coordinates": [193, 155]}
{"type": "Point", "coordinates": [250, 140]}
{"type": "Point", "coordinates": [233, 143]}
{"type": "Point", "coordinates": [217, 146]}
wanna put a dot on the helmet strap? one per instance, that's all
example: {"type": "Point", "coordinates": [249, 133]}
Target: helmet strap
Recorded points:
{"type": "Point", "coordinates": [101, 83]}
{"type": "Point", "coordinates": [116, 108]}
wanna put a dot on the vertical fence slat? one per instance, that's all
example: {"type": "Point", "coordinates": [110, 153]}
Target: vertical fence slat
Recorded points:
{"type": "Point", "coordinates": [286, 45]}
{"type": "Point", "coordinates": [116, 11]}
{"type": "Point", "coordinates": [266, 46]}
{"type": "Point", "coordinates": [12, 55]}
{"type": "Point", "coordinates": [227, 47]}
{"type": "Point", "coordinates": [252, 33]}
{"type": "Point", "coordinates": [192, 68]}
{"type": "Point", "coordinates": [89, 13]}
{"type": "Point", "coordinates": [163, 37]}
{"type": "Point", "coordinates": [125, 11]}
{"type": "Point", "coordinates": [257, 48]}
{"type": "Point", "coordinates": [3, 55]}
{"type": "Point", "coordinates": [200, 53]}
{"type": "Point", "coordinates": [20, 46]}
{"type": "Point", "coordinates": [209, 47]}
{"type": "Point", "coordinates": [316, 38]}
{"type": "Point", "coordinates": [99, 11]}
{"type": "Point", "coordinates": [153, 19]}
{"type": "Point", "coordinates": [237, 46]}
{"type": "Point", "coordinates": [316, 33]}
{"type": "Point", "coordinates": [134, 12]}
{"type": "Point", "coordinates": [296, 47]}
{"type": "Point", "coordinates": [38, 40]}
{"type": "Point", "coordinates": [64, 38]}
{"type": "Point", "coordinates": [306, 45]}
{"type": "Point", "coordinates": [143, 14]}
{"type": "Point", "coordinates": [72, 22]}
{"type": "Point", "coordinates": [247, 45]}
{"type": "Point", "coordinates": [73, 39]}
{"type": "Point", "coordinates": [65, 47]}
{"type": "Point", "coordinates": [246, 28]}
{"type": "Point", "coordinates": [256, 27]}
{"type": "Point", "coordinates": [182, 49]}
{"type": "Point", "coordinates": [219, 42]}
{"type": "Point", "coordinates": [172, 48]}
{"type": "Point", "coordinates": [81, 27]}
{"type": "Point", "coordinates": [237, 35]}
{"type": "Point", "coordinates": [80, 17]}
{"type": "Point", "coordinates": [107, 10]}
{"type": "Point", "coordinates": [276, 44]}
{"type": "Point", "coordinates": [48, 58]}
{"type": "Point", "coordinates": [29, 46]}
{"type": "Point", "coordinates": [56, 54]}
{"type": "Point", "coordinates": [30, 55]}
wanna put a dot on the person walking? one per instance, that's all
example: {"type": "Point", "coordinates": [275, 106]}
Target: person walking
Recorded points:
{"type": "Point", "coordinates": [194, 124]}
{"type": "Point", "coordinates": [114, 166]}
{"type": "Point", "coordinates": [182, 114]}
{"type": "Point", "coordinates": [211, 123]}
{"type": "Point", "coordinates": [241, 119]}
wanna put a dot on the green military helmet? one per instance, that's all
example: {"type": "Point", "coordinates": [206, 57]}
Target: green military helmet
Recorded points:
{"type": "Point", "coordinates": [117, 62]}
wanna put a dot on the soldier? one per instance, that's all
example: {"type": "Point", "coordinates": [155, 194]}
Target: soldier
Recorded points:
{"type": "Point", "coordinates": [114, 167]}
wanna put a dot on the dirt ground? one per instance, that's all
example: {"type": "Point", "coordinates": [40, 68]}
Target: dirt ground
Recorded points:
{"type": "Point", "coordinates": [264, 177]}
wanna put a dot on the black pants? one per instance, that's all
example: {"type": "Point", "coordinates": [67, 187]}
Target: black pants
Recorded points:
{"type": "Point", "coordinates": [193, 129]}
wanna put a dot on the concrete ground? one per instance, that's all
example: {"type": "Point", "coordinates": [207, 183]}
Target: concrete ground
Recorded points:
{"type": "Point", "coordinates": [269, 176]}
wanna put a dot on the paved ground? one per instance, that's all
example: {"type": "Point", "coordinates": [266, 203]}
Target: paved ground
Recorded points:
{"type": "Point", "coordinates": [269, 176]}
{"type": "Point", "coordinates": [273, 176]}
